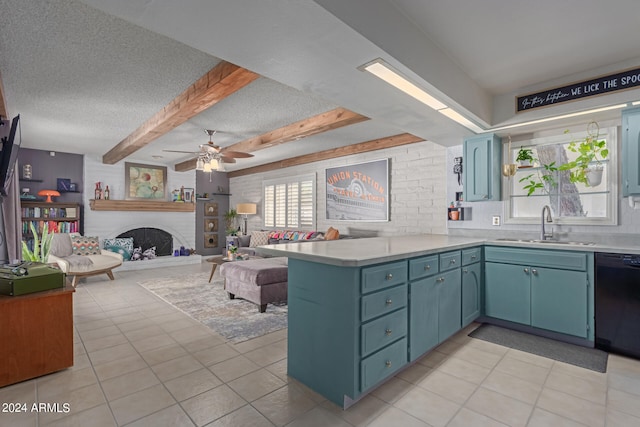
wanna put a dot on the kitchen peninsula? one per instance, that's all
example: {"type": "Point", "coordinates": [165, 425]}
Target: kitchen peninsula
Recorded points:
{"type": "Point", "coordinates": [361, 309]}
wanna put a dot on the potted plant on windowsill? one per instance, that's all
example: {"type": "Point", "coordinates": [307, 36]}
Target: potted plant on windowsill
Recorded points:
{"type": "Point", "coordinates": [525, 157]}
{"type": "Point", "coordinates": [587, 168]}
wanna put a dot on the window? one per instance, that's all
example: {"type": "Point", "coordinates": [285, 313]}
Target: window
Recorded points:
{"type": "Point", "coordinates": [290, 202]}
{"type": "Point", "coordinates": [573, 203]}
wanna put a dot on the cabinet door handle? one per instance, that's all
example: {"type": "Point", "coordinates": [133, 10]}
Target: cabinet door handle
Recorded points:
{"type": "Point", "coordinates": [453, 261]}
{"type": "Point", "coordinates": [526, 270]}
{"type": "Point", "coordinates": [485, 196]}
{"type": "Point", "coordinates": [387, 363]}
{"type": "Point", "coordinates": [389, 276]}
{"type": "Point", "coordinates": [387, 332]}
{"type": "Point", "coordinates": [427, 267]}
{"type": "Point", "coordinates": [465, 271]}
{"type": "Point", "coordinates": [534, 271]}
{"type": "Point", "coordinates": [388, 302]}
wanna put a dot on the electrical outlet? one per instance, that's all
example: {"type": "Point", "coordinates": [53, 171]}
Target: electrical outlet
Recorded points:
{"type": "Point", "coordinates": [496, 220]}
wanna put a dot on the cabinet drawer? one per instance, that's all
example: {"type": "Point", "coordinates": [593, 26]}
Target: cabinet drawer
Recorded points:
{"type": "Point", "coordinates": [565, 260]}
{"type": "Point", "coordinates": [383, 331]}
{"type": "Point", "coordinates": [383, 302]}
{"type": "Point", "coordinates": [382, 364]}
{"type": "Point", "coordinates": [383, 276]}
{"type": "Point", "coordinates": [450, 260]}
{"type": "Point", "coordinates": [423, 266]}
{"type": "Point", "coordinates": [469, 256]}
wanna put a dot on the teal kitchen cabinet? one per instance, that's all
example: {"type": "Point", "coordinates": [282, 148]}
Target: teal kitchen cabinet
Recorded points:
{"type": "Point", "coordinates": [544, 289]}
{"type": "Point", "coordinates": [471, 285]}
{"type": "Point", "coordinates": [507, 292]}
{"type": "Point", "coordinates": [481, 170]}
{"type": "Point", "coordinates": [631, 151]}
{"type": "Point", "coordinates": [435, 301]}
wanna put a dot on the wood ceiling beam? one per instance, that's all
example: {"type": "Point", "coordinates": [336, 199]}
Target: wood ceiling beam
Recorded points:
{"type": "Point", "coordinates": [4, 111]}
{"type": "Point", "coordinates": [221, 81]}
{"type": "Point", "coordinates": [362, 147]}
{"type": "Point", "coordinates": [320, 123]}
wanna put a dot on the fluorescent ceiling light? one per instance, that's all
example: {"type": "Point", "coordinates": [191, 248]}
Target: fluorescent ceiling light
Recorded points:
{"type": "Point", "coordinates": [457, 117]}
{"type": "Point", "coordinates": [564, 116]}
{"type": "Point", "coordinates": [383, 71]}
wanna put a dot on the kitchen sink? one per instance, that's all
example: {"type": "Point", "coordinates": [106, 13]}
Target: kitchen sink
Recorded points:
{"type": "Point", "coordinates": [557, 242]}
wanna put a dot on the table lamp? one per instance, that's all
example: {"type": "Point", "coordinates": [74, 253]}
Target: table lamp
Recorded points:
{"type": "Point", "coordinates": [48, 193]}
{"type": "Point", "coordinates": [246, 209]}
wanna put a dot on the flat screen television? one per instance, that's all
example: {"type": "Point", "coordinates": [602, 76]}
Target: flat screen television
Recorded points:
{"type": "Point", "coordinates": [10, 138]}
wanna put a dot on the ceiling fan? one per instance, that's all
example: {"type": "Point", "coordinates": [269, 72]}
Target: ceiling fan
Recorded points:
{"type": "Point", "coordinates": [211, 156]}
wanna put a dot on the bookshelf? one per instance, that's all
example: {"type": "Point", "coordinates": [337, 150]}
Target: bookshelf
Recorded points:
{"type": "Point", "coordinates": [61, 217]}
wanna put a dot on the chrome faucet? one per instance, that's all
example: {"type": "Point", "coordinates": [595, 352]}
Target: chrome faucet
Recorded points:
{"type": "Point", "coordinates": [544, 235]}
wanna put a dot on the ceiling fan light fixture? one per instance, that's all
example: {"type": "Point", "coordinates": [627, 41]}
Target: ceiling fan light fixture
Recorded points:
{"type": "Point", "coordinates": [199, 164]}
{"type": "Point", "coordinates": [214, 164]}
{"type": "Point", "coordinates": [207, 167]}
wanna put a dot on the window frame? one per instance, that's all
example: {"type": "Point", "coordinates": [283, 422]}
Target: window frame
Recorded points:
{"type": "Point", "coordinates": [287, 182]}
{"type": "Point", "coordinates": [612, 170]}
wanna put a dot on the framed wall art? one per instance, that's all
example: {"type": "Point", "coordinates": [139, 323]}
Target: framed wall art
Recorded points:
{"type": "Point", "coordinates": [210, 225]}
{"type": "Point", "coordinates": [145, 181]}
{"type": "Point", "coordinates": [211, 209]}
{"type": "Point", "coordinates": [358, 192]}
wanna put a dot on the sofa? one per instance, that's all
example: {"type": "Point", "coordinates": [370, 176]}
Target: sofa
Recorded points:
{"type": "Point", "coordinates": [80, 256]}
{"type": "Point", "coordinates": [247, 244]}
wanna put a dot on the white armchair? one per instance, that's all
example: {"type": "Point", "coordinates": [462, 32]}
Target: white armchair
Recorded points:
{"type": "Point", "coordinates": [77, 266]}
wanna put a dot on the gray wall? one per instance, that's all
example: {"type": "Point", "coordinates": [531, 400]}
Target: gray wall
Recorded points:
{"type": "Point", "coordinates": [218, 179]}
{"type": "Point", "coordinates": [48, 168]}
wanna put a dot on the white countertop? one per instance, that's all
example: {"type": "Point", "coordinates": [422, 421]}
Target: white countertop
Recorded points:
{"type": "Point", "coordinates": [374, 250]}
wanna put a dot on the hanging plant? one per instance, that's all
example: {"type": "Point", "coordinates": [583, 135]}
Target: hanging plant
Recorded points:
{"type": "Point", "coordinates": [525, 157]}
{"type": "Point", "coordinates": [587, 167]}
{"type": "Point", "coordinates": [540, 181]}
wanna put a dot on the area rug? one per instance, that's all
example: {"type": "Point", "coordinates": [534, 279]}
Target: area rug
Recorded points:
{"type": "Point", "coordinates": [236, 320]}
{"type": "Point", "coordinates": [585, 357]}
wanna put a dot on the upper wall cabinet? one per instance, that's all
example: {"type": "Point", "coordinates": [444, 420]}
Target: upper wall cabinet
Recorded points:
{"type": "Point", "coordinates": [482, 168]}
{"type": "Point", "coordinates": [631, 151]}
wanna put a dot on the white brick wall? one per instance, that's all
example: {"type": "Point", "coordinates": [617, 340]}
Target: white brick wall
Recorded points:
{"type": "Point", "coordinates": [106, 224]}
{"type": "Point", "coordinates": [417, 191]}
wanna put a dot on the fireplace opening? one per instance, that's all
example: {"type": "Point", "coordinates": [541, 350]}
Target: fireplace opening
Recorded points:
{"type": "Point", "coordinates": [148, 237]}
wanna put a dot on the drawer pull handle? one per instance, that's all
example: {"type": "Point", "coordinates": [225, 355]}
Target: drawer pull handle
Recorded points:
{"type": "Point", "coordinates": [427, 267]}
{"type": "Point", "coordinates": [389, 276]}
{"type": "Point", "coordinates": [453, 261]}
{"type": "Point", "coordinates": [526, 270]}
{"type": "Point", "coordinates": [473, 257]}
{"type": "Point", "coordinates": [387, 363]}
{"type": "Point", "coordinates": [387, 332]}
{"type": "Point", "coordinates": [388, 302]}
{"type": "Point", "coordinates": [534, 271]}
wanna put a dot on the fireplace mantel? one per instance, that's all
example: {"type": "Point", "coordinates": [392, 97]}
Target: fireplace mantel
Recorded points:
{"type": "Point", "coordinates": [141, 205]}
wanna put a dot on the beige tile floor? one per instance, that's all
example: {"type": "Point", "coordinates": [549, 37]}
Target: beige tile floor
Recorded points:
{"type": "Point", "coordinates": [141, 362]}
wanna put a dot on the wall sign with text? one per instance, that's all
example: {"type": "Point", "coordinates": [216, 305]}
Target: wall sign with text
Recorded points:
{"type": "Point", "coordinates": [598, 86]}
{"type": "Point", "coordinates": [358, 192]}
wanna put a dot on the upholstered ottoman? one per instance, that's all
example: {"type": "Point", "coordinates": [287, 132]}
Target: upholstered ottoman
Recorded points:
{"type": "Point", "coordinates": [261, 280]}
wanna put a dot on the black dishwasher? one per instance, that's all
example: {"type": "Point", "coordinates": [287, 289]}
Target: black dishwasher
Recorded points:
{"type": "Point", "coordinates": [617, 303]}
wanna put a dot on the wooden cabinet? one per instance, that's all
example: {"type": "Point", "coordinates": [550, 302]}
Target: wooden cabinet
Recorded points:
{"type": "Point", "coordinates": [481, 171]}
{"type": "Point", "coordinates": [631, 151]}
{"type": "Point", "coordinates": [59, 217]}
{"type": "Point", "coordinates": [36, 337]}
{"type": "Point", "coordinates": [550, 291]}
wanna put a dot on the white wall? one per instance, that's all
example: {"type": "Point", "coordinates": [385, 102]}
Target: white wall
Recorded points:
{"type": "Point", "coordinates": [417, 191]}
{"type": "Point", "coordinates": [105, 224]}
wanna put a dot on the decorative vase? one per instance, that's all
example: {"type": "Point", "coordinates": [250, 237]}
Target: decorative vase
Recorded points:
{"type": "Point", "coordinates": [594, 176]}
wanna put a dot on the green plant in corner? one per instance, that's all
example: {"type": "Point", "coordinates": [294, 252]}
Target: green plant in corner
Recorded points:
{"type": "Point", "coordinates": [41, 245]}
{"type": "Point", "coordinates": [541, 181]}
{"type": "Point", "coordinates": [590, 150]}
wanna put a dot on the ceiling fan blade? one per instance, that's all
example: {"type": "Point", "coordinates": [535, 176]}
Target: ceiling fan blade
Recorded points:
{"type": "Point", "coordinates": [176, 151]}
{"type": "Point", "coordinates": [236, 154]}
{"type": "Point", "coordinates": [227, 159]}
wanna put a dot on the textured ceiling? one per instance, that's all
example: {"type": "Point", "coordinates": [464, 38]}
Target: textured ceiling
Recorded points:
{"type": "Point", "coordinates": [83, 79]}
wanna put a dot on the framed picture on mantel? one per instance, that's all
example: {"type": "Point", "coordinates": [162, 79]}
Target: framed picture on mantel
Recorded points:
{"type": "Point", "coordinates": [145, 181]}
